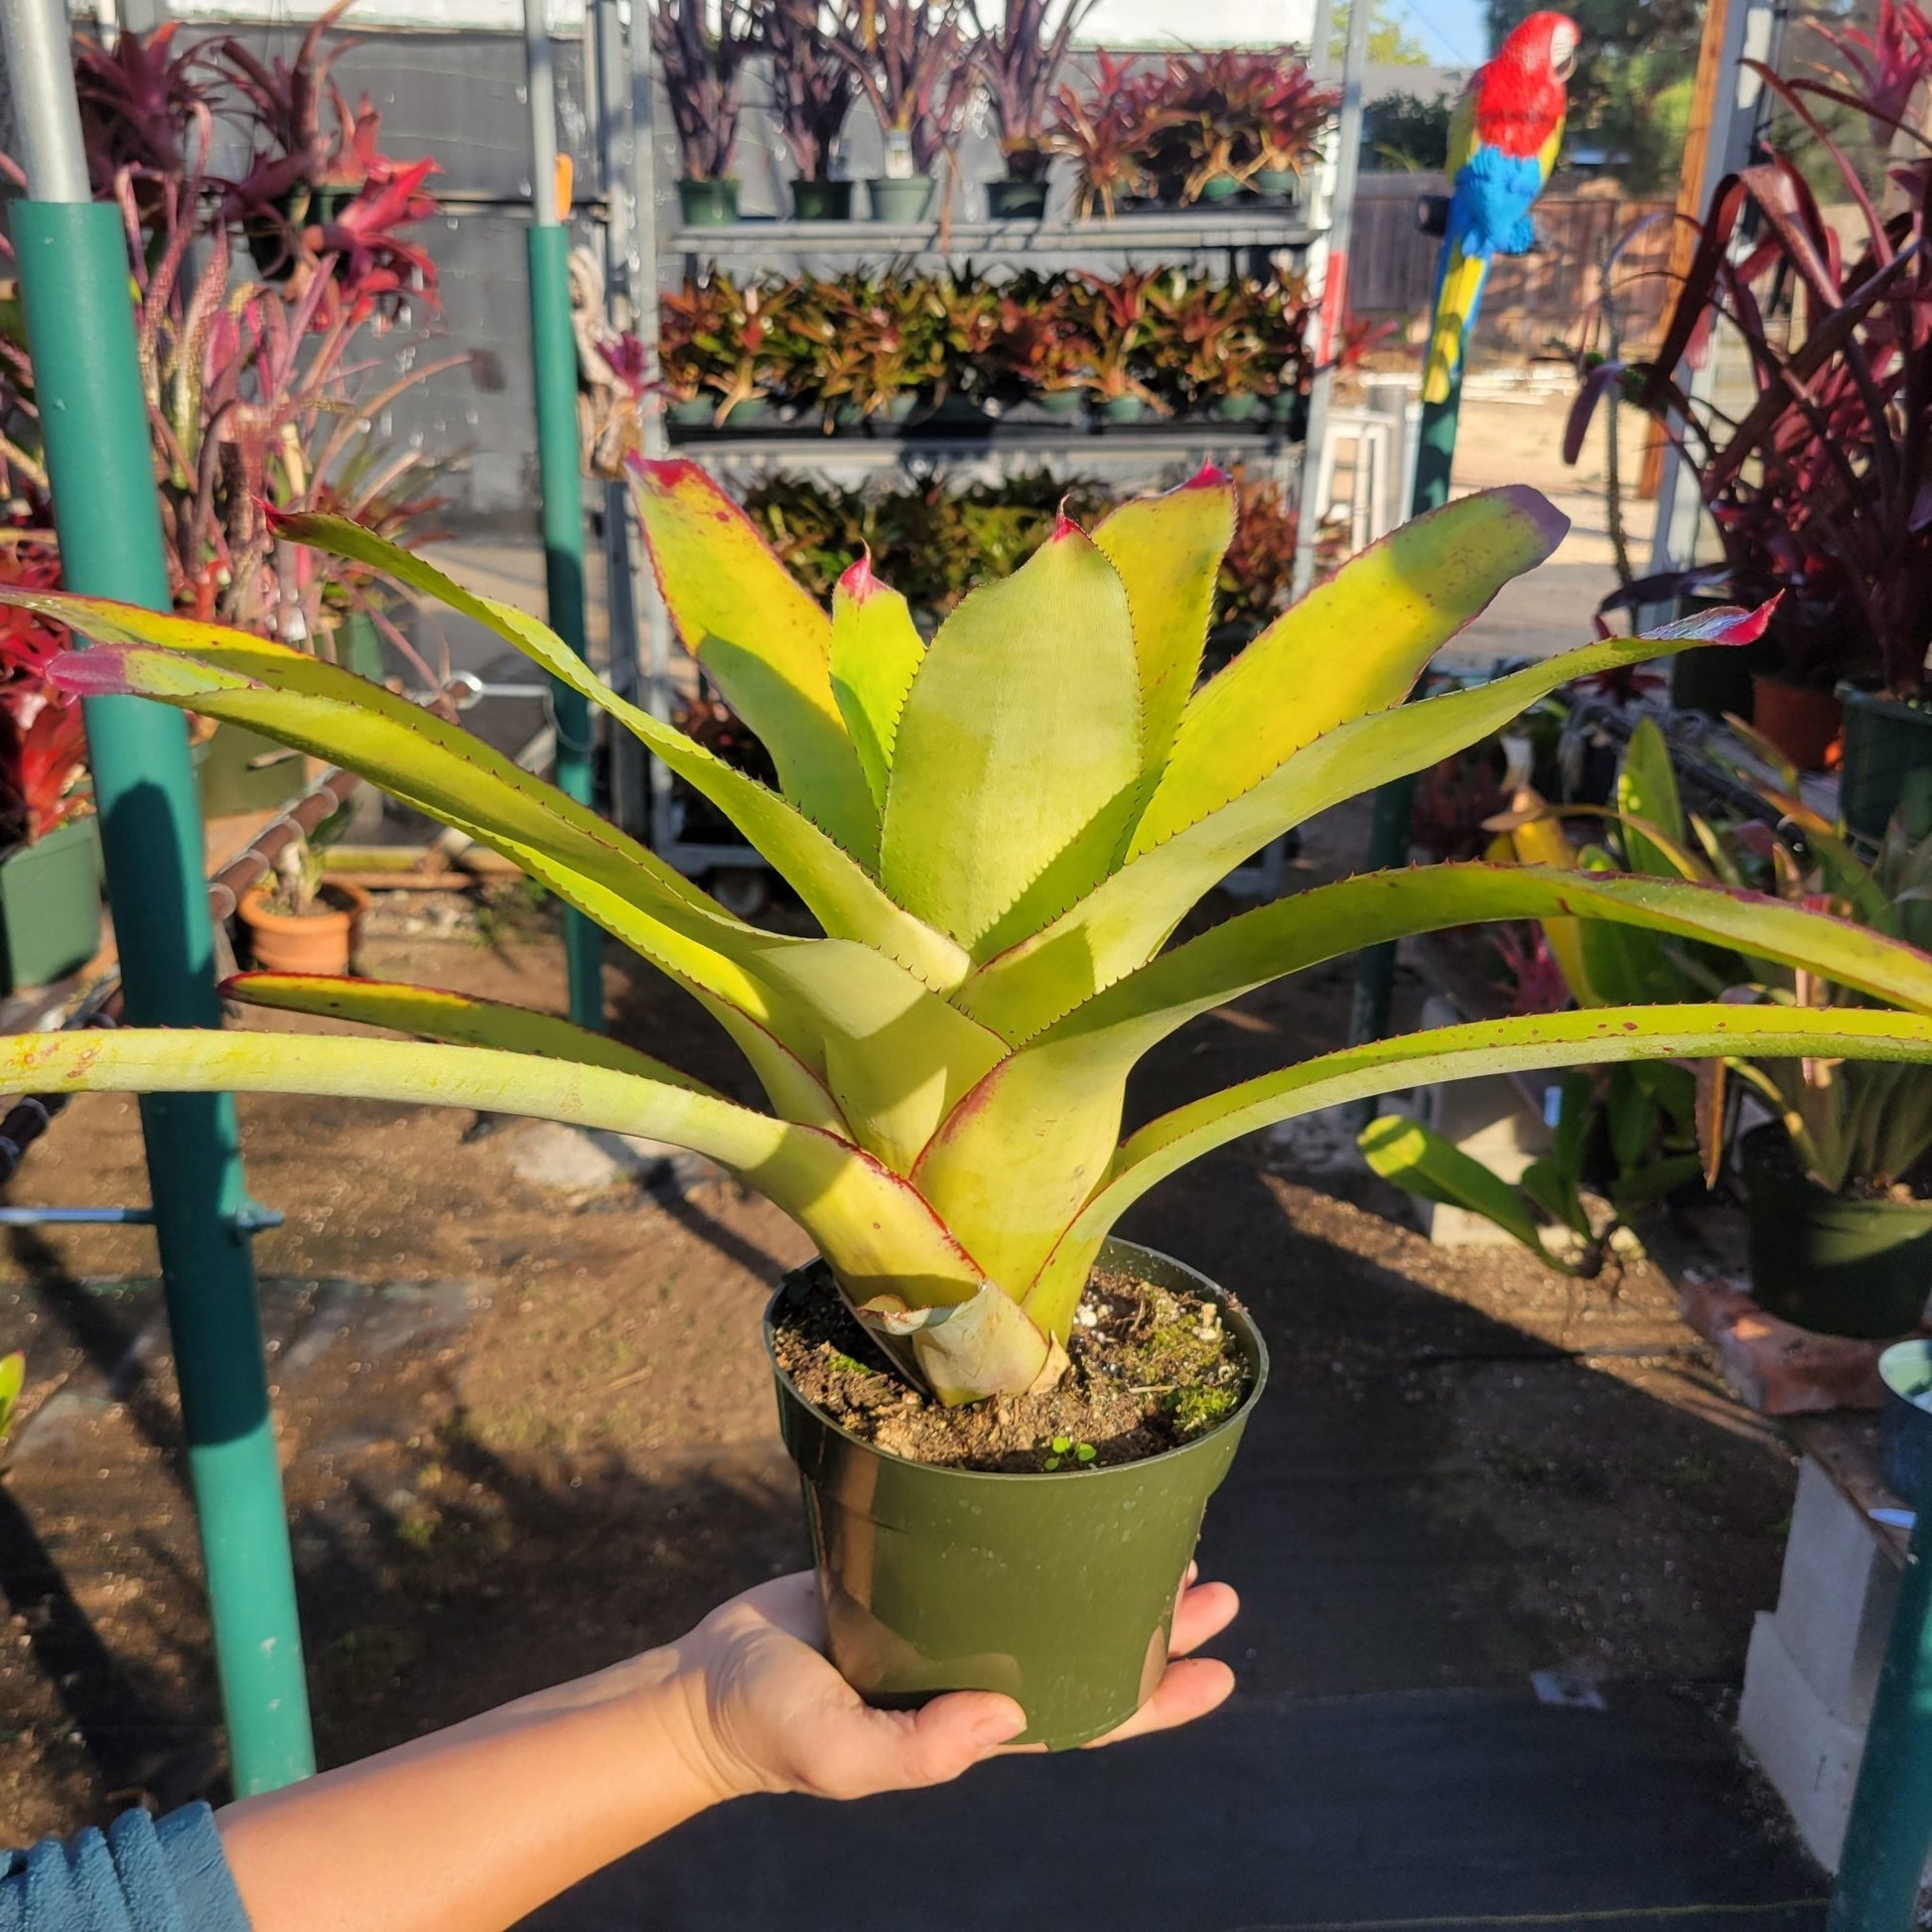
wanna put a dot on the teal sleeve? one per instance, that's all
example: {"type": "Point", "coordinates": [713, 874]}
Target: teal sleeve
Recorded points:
{"type": "Point", "coordinates": [137, 1876]}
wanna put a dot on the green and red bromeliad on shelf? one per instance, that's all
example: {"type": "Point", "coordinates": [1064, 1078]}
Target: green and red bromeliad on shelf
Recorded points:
{"type": "Point", "coordinates": [998, 830]}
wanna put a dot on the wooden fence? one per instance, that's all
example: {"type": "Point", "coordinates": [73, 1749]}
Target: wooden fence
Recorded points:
{"type": "Point", "coordinates": [1543, 303]}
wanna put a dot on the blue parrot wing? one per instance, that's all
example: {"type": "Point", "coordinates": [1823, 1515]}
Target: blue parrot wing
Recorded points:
{"type": "Point", "coordinates": [1491, 203]}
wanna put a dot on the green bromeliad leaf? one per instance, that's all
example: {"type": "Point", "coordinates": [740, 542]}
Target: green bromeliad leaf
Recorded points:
{"type": "Point", "coordinates": [1601, 1035]}
{"type": "Point", "coordinates": [997, 808]}
{"type": "Point", "coordinates": [1015, 1160]}
{"type": "Point", "coordinates": [1350, 646]}
{"type": "Point", "coordinates": [821, 868]}
{"type": "Point", "coordinates": [876, 654]}
{"type": "Point", "coordinates": [429, 1013]}
{"type": "Point", "coordinates": [1167, 551]}
{"type": "Point", "coordinates": [1126, 919]}
{"type": "Point", "coordinates": [762, 639]}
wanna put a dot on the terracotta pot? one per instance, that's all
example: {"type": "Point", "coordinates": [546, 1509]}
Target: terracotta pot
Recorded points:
{"type": "Point", "coordinates": [1804, 721]}
{"type": "Point", "coordinates": [321, 942]}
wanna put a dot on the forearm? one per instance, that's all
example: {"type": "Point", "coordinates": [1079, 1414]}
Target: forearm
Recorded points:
{"type": "Point", "coordinates": [471, 1829]}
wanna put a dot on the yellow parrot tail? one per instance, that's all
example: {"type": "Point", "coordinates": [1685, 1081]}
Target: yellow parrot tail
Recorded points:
{"type": "Point", "coordinates": [1456, 306]}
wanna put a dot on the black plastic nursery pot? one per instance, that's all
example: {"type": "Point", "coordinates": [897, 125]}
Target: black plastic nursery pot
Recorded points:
{"type": "Point", "coordinates": [821, 201]}
{"type": "Point", "coordinates": [1058, 1590]}
{"type": "Point", "coordinates": [1831, 1264]}
{"type": "Point", "coordinates": [708, 204]}
{"type": "Point", "coordinates": [1015, 201]}
{"type": "Point", "coordinates": [1887, 764]}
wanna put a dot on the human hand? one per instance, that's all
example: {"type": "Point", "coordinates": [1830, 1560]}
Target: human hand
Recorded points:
{"type": "Point", "coordinates": [768, 1713]}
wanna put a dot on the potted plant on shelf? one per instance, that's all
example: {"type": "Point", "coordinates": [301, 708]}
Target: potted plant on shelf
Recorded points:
{"type": "Point", "coordinates": [1119, 321]}
{"type": "Point", "coordinates": [298, 922]}
{"type": "Point", "coordinates": [811, 93]}
{"type": "Point", "coordinates": [50, 839]}
{"type": "Point", "coordinates": [1019, 61]}
{"type": "Point", "coordinates": [1814, 486]}
{"type": "Point", "coordinates": [997, 833]}
{"type": "Point", "coordinates": [1290, 113]}
{"type": "Point", "coordinates": [1038, 351]}
{"type": "Point", "coordinates": [720, 349]}
{"type": "Point", "coordinates": [1108, 133]}
{"type": "Point", "coordinates": [701, 72]}
{"type": "Point", "coordinates": [908, 56]}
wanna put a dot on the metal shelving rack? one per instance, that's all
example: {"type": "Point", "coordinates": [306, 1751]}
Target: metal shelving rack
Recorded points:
{"type": "Point", "coordinates": [1247, 238]}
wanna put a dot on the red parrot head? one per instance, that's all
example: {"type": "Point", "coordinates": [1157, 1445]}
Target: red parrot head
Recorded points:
{"type": "Point", "coordinates": [1543, 47]}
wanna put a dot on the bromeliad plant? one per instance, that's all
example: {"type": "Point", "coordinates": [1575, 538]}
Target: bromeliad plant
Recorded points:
{"type": "Point", "coordinates": [998, 833]}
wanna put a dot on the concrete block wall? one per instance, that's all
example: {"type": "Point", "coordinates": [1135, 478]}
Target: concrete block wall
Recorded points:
{"type": "Point", "coordinates": [1814, 1661]}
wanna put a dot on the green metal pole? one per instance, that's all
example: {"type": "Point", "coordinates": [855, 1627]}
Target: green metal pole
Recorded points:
{"type": "Point", "coordinates": [1891, 1827]}
{"type": "Point", "coordinates": [73, 280]}
{"type": "Point", "coordinates": [1395, 804]}
{"type": "Point", "coordinates": [553, 354]}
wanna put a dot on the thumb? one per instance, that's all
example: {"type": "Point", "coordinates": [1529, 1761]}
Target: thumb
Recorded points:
{"type": "Point", "coordinates": [952, 1734]}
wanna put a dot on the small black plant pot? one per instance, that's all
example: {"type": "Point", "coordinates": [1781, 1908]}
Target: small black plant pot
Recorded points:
{"type": "Point", "coordinates": [1015, 201]}
{"type": "Point", "coordinates": [1887, 764]}
{"type": "Point", "coordinates": [821, 201]}
{"type": "Point", "coordinates": [1058, 1590]}
{"type": "Point", "coordinates": [1831, 1264]}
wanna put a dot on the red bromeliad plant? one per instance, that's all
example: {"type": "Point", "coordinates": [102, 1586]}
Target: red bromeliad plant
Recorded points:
{"type": "Point", "coordinates": [1018, 61]}
{"type": "Point", "coordinates": [1817, 488]}
{"type": "Point", "coordinates": [701, 72]}
{"type": "Point", "coordinates": [811, 84]}
{"type": "Point", "coordinates": [1109, 133]}
{"type": "Point", "coordinates": [257, 391]}
{"type": "Point", "coordinates": [43, 749]}
{"type": "Point", "coordinates": [1198, 120]}
{"type": "Point", "coordinates": [909, 57]}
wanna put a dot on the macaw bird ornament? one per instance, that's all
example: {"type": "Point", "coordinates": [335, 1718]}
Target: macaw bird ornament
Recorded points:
{"type": "Point", "coordinates": [1503, 142]}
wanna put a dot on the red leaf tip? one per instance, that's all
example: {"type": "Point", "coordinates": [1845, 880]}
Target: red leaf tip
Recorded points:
{"type": "Point", "coordinates": [856, 581]}
{"type": "Point", "coordinates": [1209, 477]}
{"type": "Point", "coordinates": [1065, 526]}
{"type": "Point", "coordinates": [97, 673]}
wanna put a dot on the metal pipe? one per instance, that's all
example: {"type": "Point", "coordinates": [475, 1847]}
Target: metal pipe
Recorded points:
{"type": "Point", "coordinates": [1334, 285]}
{"type": "Point", "coordinates": [47, 114]}
{"type": "Point", "coordinates": [74, 282]}
{"type": "Point", "coordinates": [541, 82]}
{"type": "Point", "coordinates": [553, 358]}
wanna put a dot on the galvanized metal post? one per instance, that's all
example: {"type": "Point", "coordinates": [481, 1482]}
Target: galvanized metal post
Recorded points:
{"type": "Point", "coordinates": [553, 357]}
{"type": "Point", "coordinates": [73, 279]}
{"type": "Point", "coordinates": [1890, 1828]}
{"type": "Point", "coordinates": [1334, 283]}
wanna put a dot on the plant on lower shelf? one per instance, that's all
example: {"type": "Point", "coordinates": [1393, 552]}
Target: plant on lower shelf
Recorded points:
{"type": "Point", "coordinates": [13, 1378]}
{"type": "Point", "coordinates": [931, 539]}
{"type": "Point", "coordinates": [998, 834]}
{"type": "Point", "coordinates": [702, 66]}
{"type": "Point", "coordinates": [883, 341]}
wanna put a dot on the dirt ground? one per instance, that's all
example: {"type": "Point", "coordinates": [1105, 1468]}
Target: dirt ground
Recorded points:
{"type": "Point", "coordinates": [523, 1437]}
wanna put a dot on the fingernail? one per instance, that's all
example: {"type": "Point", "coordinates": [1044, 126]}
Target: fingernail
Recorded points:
{"type": "Point", "coordinates": [998, 1728]}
